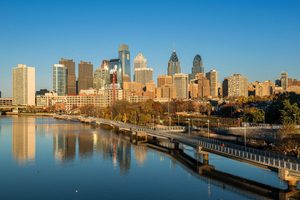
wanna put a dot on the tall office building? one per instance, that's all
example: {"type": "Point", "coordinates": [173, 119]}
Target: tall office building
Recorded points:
{"type": "Point", "coordinates": [85, 75]}
{"type": "Point", "coordinates": [203, 86]}
{"type": "Point", "coordinates": [235, 86]}
{"type": "Point", "coordinates": [173, 64]}
{"type": "Point", "coordinates": [60, 77]}
{"type": "Point", "coordinates": [102, 76]}
{"type": "Point", "coordinates": [164, 80]}
{"type": "Point", "coordinates": [71, 80]}
{"type": "Point", "coordinates": [142, 74]}
{"type": "Point", "coordinates": [197, 66]}
{"type": "Point", "coordinates": [212, 76]}
{"type": "Point", "coordinates": [116, 72]}
{"type": "Point", "coordinates": [23, 85]}
{"type": "Point", "coordinates": [140, 61]}
{"type": "Point", "coordinates": [284, 80]}
{"type": "Point", "coordinates": [180, 83]}
{"type": "Point", "coordinates": [124, 56]}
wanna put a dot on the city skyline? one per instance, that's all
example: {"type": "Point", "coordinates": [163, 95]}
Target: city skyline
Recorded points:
{"type": "Point", "coordinates": [260, 50]}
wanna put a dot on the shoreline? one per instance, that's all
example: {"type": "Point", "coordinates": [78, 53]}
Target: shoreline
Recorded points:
{"type": "Point", "coordinates": [30, 114]}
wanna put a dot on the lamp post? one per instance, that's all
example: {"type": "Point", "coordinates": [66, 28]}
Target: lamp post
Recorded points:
{"type": "Point", "coordinates": [208, 128]}
{"type": "Point", "coordinates": [189, 127]}
{"type": "Point", "coordinates": [245, 135]}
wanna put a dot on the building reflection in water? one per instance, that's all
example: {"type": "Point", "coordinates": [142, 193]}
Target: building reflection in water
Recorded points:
{"type": "Point", "coordinates": [23, 138]}
{"type": "Point", "coordinates": [114, 148]}
{"type": "Point", "coordinates": [64, 146]}
{"type": "Point", "coordinates": [68, 144]}
{"type": "Point", "coordinates": [140, 154]}
{"type": "Point", "coordinates": [86, 144]}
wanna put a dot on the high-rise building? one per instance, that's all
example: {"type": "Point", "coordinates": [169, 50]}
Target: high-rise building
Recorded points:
{"type": "Point", "coordinates": [235, 86]}
{"type": "Point", "coordinates": [0, 94]}
{"type": "Point", "coordinates": [197, 66]}
{"type": "Point", "coordinates": [212, 76]}
{"type": "Point", "coordinates": [193, 89]}
{"type": "Point", "coordinates": [116, 72]}
{"type": "Point", "coordinates": [261, 89]}
{"type": "Point", "coordinates": [284, 81]}
{"type": "Point", "coordinates": [142, 74]}
{"type": "Point", "coordinates": [173, 64]}
{"type": "Point", "coordinates": [124, 56]}
{"type": "Point", "coordinates": [203, 86]}
{"type": "Point", "coordinates": [163, 80]}
{"type": "Point", "coordinates": [140, 61]}
{"type": "Point", "coordinates": [85, 75]}
{"type": "Point", "coordinates": [71, 80]}
{"type": "Point", "coordinates": [60, 76]}
{"type": "Point", "coordinates": [166, 91]}
{"type": "Point", "coordinates": [180, 82]}
{"type": "Point", "coordinates": [23, 85]}
{"type": "Point", "coordinates": [102, 76]}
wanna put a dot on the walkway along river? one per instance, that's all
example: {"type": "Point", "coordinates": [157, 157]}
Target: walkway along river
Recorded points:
{"type": "Point", "coordinates": [288, 168]}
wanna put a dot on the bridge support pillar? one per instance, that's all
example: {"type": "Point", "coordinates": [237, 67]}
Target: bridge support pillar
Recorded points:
{"type": "Point", "coordinates": [291, 180]}
{"type": "Point", "coordinates": [205, 158]}
{"type": "Point", "coordinates": [176, 146]}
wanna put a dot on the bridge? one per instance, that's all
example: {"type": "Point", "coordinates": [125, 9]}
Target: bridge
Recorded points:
{"type": "Point", "coordinates": [288, 167]}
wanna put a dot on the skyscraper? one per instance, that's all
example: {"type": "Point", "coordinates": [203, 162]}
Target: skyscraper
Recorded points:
{"type": "Point", "coordinates": [180, 83]}
{"type": "Point", "coordinates": [284, 80]}
{"type": "Point", "coordinates": [124, 56]}
{"type": "Point", "coordinates": [101, 75]}
{"type": "Point", "coordinates": [85, 75]}
{"type": "Point", "coordinates": [140, 61]}
{"type": "Point", "coordinates": [235, 86]}
{"type": "Point", "coordinates": [173, 64]}
{"type": "Point", "coordinates": [142, 74]}
{"type": "Point", "coordinates": [203, 85]}
{"type": "Point", "coordinates": [197, 66]}
{"type": "Point", "coordinates": [60, 79]}
{"type": "Point", "coordinates": [164, 80]}
{"type": "Point", "coordinates": [115, 70]}
{"type": "Point", "coordinates": [71, 80]}
{"type": "Point", "coordinates": [212, 76]}
{"type": "Point", "coordinates": [23, 85]}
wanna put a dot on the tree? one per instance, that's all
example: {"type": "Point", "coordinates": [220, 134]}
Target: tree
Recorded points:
{"type": "Point", "coordinates": [290, 114]}
{"type": "Point", "coordinates": [253, 114]}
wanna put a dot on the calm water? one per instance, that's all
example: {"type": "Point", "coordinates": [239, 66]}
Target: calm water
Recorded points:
{"type": "Point", "coordinates": [44, 158]}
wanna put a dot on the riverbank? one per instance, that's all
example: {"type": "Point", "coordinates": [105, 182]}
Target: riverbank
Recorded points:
{"type": "Point", "coordinates": [32, 114]}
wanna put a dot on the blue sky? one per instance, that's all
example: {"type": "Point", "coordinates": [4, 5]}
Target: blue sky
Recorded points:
{"type": "Point", "coordinates": [257, 38]}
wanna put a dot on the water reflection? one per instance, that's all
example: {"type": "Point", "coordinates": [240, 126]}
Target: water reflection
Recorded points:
{"type": "Point", "coordinates": [74, 141]}
{"type": "Point", "coordinates": [23, 139]}
{"type": "Point", "coordinates": [114, 148]}
{"type": "Point", "coordinates": [64, 146]}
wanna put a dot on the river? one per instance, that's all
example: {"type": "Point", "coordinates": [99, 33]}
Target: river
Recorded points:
{"type": "Point", "coordinates": [45, 158]}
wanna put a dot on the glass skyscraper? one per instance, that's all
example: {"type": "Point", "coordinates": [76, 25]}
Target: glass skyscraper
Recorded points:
{"type": "Point", "coordinates": [124, 56]}
{"type": "Point", "coordinates": [60, 79]}
{"type": "Point", "coordinates": [197, 66]}
{"type": "Point", "coordinates": [173, 64]}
